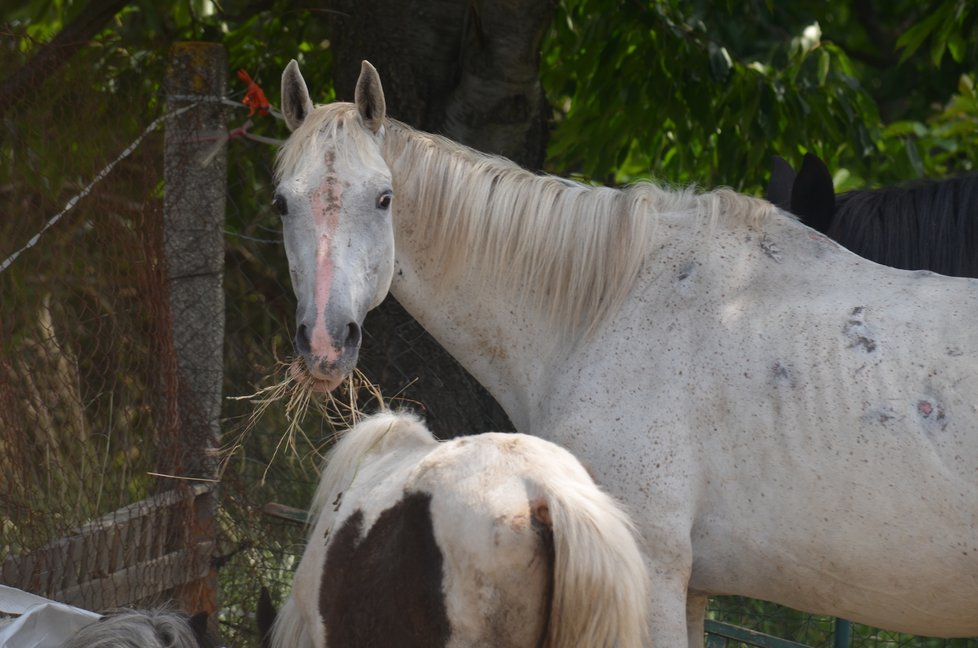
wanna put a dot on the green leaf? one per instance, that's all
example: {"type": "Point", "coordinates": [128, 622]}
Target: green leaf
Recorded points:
{"type": "Point", "coordinates": [957, 46]}
{"type": "Point", "coordinates": [966, 86]}
{"type": "Point", "coordinates": [720, 63]}
{"type": "Point", "coordinates": [914, 156]}
{"type": "Point", "coordinates": [824, 60]}
{"type": "Point", "coordinates": [904, 128]}
{"type": "Point", "coordinates": [911, 40]}
{"type": "Point", "coordinates": [840, 177]}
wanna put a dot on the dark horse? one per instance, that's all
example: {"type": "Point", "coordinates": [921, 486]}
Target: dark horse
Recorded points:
{"type": "Point", "coordinates": [923, 225]}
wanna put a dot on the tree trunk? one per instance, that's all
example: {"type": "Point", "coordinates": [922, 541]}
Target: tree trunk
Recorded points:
{"type": "Point", "coordinates": [467, 69]}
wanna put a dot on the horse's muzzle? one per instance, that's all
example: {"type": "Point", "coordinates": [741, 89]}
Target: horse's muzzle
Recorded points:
{"type": "Point", "coordinates": [328, 364]}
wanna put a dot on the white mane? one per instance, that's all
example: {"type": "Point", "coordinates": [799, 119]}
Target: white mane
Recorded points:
{"type": "Point", "coordinates": [159, 628]}
{"type": "Point", "coordinates": [579, 247]}
{"type": "Point", "coordinates": [349, 451]}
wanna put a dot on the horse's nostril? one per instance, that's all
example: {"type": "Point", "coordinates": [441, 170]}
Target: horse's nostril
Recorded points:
{"type": "Point", "coordinates": [352, 335]}
{"type": "Point", "coordinates": [302, 344]}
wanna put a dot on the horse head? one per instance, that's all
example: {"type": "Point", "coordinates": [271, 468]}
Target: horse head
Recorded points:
{"type": "Point", "coordinates": [334, 195]}
{"type": "Point", "coordinates": [151, 628]}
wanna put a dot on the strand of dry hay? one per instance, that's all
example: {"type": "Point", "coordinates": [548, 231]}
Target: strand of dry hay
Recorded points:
{"type": "Point", "coordinates": [299, 391]}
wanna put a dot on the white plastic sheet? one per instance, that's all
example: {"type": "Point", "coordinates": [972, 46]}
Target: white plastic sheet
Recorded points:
{"type": "Point", "coordinates": [39, 622]}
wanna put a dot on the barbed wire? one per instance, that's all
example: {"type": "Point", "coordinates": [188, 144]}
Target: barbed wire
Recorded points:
{"type": "Point", "coordinates": [197, 100]}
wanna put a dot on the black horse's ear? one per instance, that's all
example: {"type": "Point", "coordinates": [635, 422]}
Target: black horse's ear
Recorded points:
{"type": "Point", "coordinates": [296, 104]}
{"type": "Point", "coordinates": [198, 624]}
{"type": "Point", "coordinates": [265, 617]}
{"type": "Point", "coordinates": [779, 188]}
{"type": "Point", "coordinates": [812, 195]}
{"type": "Point", "coordinates": [369, 97]}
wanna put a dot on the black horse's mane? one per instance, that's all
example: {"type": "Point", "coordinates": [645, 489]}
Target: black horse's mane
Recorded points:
{"type": "Point", "coordinates": [929, 224]}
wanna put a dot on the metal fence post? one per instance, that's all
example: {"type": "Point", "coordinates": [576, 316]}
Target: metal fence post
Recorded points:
{"type": "Point", "coordinates": [842, 634]}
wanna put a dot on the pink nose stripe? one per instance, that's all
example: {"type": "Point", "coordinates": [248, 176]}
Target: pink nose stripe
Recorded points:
{"type": "Point", "coordinates": [326, 209]}
{"type": "Point", "coordinates": [320, 341]}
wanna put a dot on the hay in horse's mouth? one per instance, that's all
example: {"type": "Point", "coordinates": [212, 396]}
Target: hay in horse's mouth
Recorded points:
{"type": "Point", "coordinates": [300, 390]}
{"type": "Point", "coordinates": [299, 372]}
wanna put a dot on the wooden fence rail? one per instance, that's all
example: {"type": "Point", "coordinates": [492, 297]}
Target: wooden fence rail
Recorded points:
{"type": "Point", "coordinates": [133, 556]}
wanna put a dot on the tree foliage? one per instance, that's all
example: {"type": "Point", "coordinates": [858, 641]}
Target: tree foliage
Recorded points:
{"type": "Point", "coordinates": [706, 92]}
{"type": "Point", "coordinates": [701, 91]}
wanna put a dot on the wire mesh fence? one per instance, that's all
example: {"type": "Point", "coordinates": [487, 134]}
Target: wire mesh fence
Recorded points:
{"type": "Point", "coordinates": [92, 436]}
{"type": "Point", "coordinates": [812, 630]}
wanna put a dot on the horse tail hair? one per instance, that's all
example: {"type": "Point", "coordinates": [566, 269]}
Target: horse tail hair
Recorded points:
{"type": "Point", "coordinates": [288, 629]}
{"type": "Point", "coordinates": [600, 582]}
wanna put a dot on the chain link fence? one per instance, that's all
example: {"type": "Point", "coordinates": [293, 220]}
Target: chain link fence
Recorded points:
{"type": "Point", "coordinates": [91, 435]}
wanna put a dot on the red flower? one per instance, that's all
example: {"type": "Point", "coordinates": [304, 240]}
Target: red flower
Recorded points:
{"type": "Point", "coordinates": [254, 96]}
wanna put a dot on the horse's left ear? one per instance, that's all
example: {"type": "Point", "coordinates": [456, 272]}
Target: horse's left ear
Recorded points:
{"type": "Point", "coordinates": [369, 97]}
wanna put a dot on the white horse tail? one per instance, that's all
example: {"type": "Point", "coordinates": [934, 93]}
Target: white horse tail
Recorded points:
{"type": "Point", "coordinates": [289, 629]}
{"type": "Point", "coordinates": [600, 582]}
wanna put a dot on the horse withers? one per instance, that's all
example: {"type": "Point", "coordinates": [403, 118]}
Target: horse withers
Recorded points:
{"type": "Point", "coordinates": [922, 225]}
{"type": "Point", "coordinates": [498, 540]}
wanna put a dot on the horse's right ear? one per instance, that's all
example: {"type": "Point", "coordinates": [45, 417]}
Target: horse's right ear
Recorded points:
{"type": "Point", "coordinates": [812, 195]}
{"type": "Point", "coordinates": [369, 97]}
{"type": "Point", "coordinates": [296, 104]}
{"type": "Point", "coordinates": [265, 618]}
{"type": "Point", "coordinates": [779, 188]}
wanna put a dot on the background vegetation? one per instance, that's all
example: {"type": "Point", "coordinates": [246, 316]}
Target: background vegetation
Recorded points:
{"type": "Point", "coordinates": [702, 91]}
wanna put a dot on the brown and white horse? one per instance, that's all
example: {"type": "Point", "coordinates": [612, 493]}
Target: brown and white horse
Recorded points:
{"type": "Point", "coordinates": [494, 540]}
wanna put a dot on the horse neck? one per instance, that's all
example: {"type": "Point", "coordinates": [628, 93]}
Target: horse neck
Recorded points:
{"type": "Point", "coordinates": [503, 348]}
{"type": "Point", "coordinates": [483, 322]}
{"type": "Point", "coordinates": [507, 269]}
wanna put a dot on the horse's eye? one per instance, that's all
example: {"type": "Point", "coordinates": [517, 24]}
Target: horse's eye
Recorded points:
{"type": "Point", "coordinates": [384, 200]}
{"type": "Point", "coordinates": [281, 204]}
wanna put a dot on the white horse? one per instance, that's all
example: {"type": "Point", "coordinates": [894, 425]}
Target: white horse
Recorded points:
{"type": "Point", "coordinates": [789, 422]}
{"type": "Point", "coordinates": [494, 540]}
